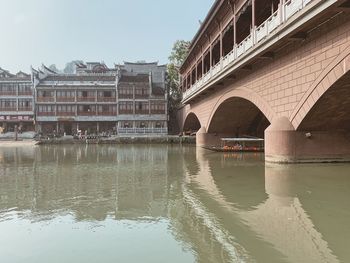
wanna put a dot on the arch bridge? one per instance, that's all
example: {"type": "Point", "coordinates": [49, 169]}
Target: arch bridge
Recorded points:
{"type": "Point", "coordinates": [278, 69]}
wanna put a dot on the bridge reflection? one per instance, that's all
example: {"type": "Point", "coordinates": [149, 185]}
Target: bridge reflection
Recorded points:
{"type": "Point", "coordinates": [289, 212]}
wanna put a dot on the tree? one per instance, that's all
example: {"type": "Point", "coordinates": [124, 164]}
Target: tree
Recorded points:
{"type": "Point", "coordinates": [177, 57]}
{"type": "Point", "coordinates": [70, 67]}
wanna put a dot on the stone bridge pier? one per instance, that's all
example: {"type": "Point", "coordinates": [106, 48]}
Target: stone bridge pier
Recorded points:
{"type": "Point", "coordinates": [289, 84]}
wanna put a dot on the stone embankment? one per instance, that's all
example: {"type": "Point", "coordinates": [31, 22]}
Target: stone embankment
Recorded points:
{"type": "Point", "coordinates": [122, 140]}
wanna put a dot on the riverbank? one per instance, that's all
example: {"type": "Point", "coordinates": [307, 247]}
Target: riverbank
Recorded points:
{"type": "Point", "coordinates": [122, 140]}
{"type": "Point", "coordinates": [20, 143]}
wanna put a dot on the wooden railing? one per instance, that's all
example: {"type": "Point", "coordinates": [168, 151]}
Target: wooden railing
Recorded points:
{"type": "Point", "coordinates": [25, 108]}
{"type": "Point", "coordinates": [8, 93]}
{"type": "Point", "coordinates": [65, 113]}
{"type": "Point", "coordinates": [86, 99]}
{"type": "Point", "coordinates": [8, 108]}
{"type": "Point", "coordinates": [106, 99]}
{"type": "Point", "coordinates": [65, 99]}
{"type": "Point", "coordinates": [45, 99]}
{"type": "Point", "coordinates": [86, 113]}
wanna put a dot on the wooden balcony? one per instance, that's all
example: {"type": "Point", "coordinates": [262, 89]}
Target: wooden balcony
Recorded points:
{"type": "Point", "coordinates": [86, 99]}
{"type": "Point", "coordinates": [106, 99]}
{"type": "Point", "coordinates": [45, 99]}
{"type": "Point", "coordinates": [65, 99]}
{"type": "Point", "coordinates": [65, 113]}
{"type": "Point", "coordinates": [8, 93]}
{"type": "Point", "coordinates": [8, 109]}
{"type": "Point", "coordinates": [25, 108]}
{"type": "Point", "coordinates": [87, 113]}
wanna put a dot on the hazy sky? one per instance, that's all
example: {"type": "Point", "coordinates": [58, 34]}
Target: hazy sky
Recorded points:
{"type": "Point", "coordinates": [113, 31]}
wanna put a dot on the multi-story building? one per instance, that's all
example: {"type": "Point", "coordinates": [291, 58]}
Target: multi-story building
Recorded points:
{"type": "Point", "coordinates": [130, 99]}
{"type": "Point", "coordinates": [86, 101]}
{"type": "Point", "coordinates": [142, 98]}
{"type": "Point", "coordinates": [16, 101]}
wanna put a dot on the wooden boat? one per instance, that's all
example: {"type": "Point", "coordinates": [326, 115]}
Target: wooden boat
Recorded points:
{"type": "Point", "coordinates": [249, 144]}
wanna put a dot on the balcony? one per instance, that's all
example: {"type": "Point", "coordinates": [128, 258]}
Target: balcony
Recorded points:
{"type": "Point", "coordinates": [65, 113]}
{"type": "Point", "coordinates": [87, 113]}
{"type": "Point", "coordinates": [86, 99]}
{"type": "Point", "coordinates": [45, 99]}
{"type": "Point", "coordinates": [8, 109]}
{"type": "Point", "coordinates": [25, 109]}
{"type": "Point", "coordinates": [8, 93]}
{"type": "Point", "coordinates": [65, 99]}
{"type": "Point", "coordinates": [257, 36]}
{"type": "Point", "coordinates": [106, 99]}
{"type": "Point", "coordinates": [142, 131]}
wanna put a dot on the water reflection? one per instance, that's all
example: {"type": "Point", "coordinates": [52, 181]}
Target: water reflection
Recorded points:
{"type": "Point", "coordinates": [211, 207]}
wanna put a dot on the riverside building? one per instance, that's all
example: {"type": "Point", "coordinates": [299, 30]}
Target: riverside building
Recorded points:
{"type": "Point", "coordinates": [16, 101]}
{"type": "Point", "coordinates": [142, 98]}
{"type": "Point", "coordinates": [128, 99]}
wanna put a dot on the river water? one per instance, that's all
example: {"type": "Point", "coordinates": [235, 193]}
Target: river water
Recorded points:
{"type": "Point", "coordinates": [168, 204]}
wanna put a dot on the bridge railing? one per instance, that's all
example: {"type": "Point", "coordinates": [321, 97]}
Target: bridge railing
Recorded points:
{"type": "Point", "coordinates": [257, 36]}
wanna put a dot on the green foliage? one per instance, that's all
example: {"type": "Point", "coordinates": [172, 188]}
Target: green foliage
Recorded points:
{"type": "Point", "coordinates": [176, 58]}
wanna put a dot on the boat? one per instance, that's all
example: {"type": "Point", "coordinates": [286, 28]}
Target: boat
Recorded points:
{"type": "Point", "coordinates": [246, 144]}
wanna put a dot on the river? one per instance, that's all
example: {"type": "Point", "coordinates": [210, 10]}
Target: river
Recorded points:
{"type": "Point", "coordinates": [160, 203]}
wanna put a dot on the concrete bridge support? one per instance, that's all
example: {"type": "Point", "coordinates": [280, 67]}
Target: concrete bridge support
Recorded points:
{"type": "Point", "coordinates": [283, 144]}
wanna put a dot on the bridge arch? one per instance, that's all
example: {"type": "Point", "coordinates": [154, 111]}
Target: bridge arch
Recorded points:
{"type": "Point", "coordinates": [330, 84]}
{"type": "Point", "coordinates": [254, 113]}
{"type": "Point", "coordinates": [191, 122]}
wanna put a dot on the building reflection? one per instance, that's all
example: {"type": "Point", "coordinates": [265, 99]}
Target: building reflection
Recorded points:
{"type": "Point", "coordinates": [91, 182]}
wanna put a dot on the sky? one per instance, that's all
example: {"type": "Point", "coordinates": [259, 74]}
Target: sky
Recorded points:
{"type": "Point", "coordinates": [33, 32]}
